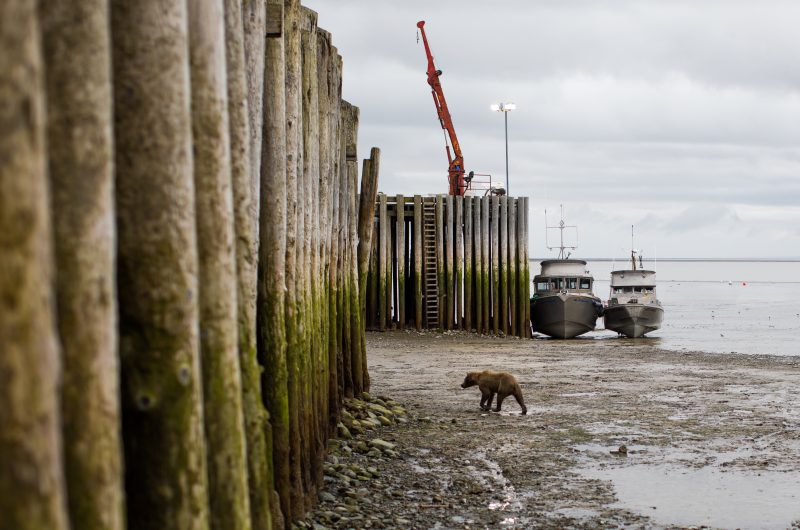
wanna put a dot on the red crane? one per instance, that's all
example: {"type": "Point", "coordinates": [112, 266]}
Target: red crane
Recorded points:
{"type": "Point", "coordinates": [458, 183]}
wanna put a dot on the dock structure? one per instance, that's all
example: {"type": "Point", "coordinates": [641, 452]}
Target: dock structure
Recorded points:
{"type": "Point", "coordinates": [445, 262]}
{"type": "Point", "coordinates": [184, 273]}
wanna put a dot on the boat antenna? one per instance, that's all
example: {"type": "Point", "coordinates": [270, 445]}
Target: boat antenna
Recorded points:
{"type": "Point", "coordinates": [633, 253]}
{"type": "Point", "coordinates": [561, 226]}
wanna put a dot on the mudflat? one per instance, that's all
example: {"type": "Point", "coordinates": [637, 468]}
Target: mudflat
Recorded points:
{"type": "Point", "coordinates": [617, 433]}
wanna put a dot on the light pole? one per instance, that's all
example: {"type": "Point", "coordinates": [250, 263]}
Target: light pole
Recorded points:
{"type": "Point", "coordinates": [505, 108]}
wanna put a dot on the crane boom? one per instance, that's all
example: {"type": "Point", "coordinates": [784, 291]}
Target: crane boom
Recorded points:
{"type": "Point", "coordinates": [458, 185]}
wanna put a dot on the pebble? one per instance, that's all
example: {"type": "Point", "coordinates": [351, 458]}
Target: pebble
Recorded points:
{"type": "Point", "coordinates": [382, 444]}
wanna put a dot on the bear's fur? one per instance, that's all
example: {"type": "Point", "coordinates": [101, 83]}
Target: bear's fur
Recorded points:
{"type": "Point", "coordinates": [490, 383]}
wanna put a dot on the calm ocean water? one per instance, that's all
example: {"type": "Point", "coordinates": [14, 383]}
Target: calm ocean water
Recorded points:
{"type": "Point", "coordinates": [725, 307]}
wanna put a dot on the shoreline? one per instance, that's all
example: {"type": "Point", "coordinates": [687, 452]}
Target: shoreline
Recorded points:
{"type": "Point", "coordinates": [724, 416]}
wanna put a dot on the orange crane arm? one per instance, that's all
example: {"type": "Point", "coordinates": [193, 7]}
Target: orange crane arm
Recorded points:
{"type": "Point", "coordinates": [458, 185]}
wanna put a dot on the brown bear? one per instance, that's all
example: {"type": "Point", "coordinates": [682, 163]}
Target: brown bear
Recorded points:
{"type": "Point", "coordinates": [490, 383]}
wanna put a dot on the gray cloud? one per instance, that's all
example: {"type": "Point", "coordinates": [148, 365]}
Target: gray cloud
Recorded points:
{"type": "Point", "coordinates": [680, 116]}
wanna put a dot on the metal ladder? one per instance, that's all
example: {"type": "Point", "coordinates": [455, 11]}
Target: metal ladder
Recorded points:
{"type": "Point", "coordinates": [430, 281]}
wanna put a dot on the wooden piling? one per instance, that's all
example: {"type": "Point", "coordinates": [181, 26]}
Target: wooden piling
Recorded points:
{"type": "Point", "coordinates": [503, 292]}
{"type": "Point", "coordinates": [441, 277]}
{"type": "Point", "coordinates": [164, 442]}
{"type": "Point", "coordinates": [400, 231]}
{"type": "Point", "coordinates": [418, 275]}
{"type": "Point", "coordinates": [468, 263]}
{"type": "Point", "coordinates": [32, 493]}
{"type": "Point", "coordinates": [495, 253]}
{"type": "Point", "coordinates": [271, 310]}
{"type": "Point", "coordinates": [512, 266]}
{"type": "Point", "coordinates": [521, 287]}
{"type": "Point", "coordinates": [526, 286]}
{"type": "Point", "coordinates": [229, 505]}
{"type": "Point", "coordinates": [449, 262]}
{"type": "Point", "coordinates": [383, 256]}
{"type": "Point", "coordinates": [486, 263]}
{"type": "Point", "coordinates": [459, 264]}
{"type": "Point", "coordinates": [78, 63]}
{"type": "Point", "coordinates": [477, 242]}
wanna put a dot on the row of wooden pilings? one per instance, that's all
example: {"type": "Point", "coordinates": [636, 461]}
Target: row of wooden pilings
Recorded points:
{"type": "Point", "coordinates": [180, 312]}
{"type": "Point", "coordinates": [450, 263]}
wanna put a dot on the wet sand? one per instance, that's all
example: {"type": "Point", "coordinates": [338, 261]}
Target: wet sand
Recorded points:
{"type": "Point", "coordinates": [711, 439]}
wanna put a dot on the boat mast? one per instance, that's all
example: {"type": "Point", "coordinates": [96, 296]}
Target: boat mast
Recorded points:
{"type": "Point", "coordinates": [562, 254]}
{"type": "Point", "coordinates": [633, 252]}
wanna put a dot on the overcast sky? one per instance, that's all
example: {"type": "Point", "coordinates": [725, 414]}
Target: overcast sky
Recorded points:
{"type": "Point", "coordinates": [681, 117]}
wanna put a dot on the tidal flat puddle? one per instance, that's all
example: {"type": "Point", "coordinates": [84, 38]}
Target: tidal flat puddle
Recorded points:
{"type": "Point", "coordinates": [678, 495]}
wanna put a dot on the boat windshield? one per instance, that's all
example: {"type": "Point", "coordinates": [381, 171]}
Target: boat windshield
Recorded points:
{"type": "Point", "coordinates": [558, 284]}
{"type": "Point", "coordinates": [642, 290]}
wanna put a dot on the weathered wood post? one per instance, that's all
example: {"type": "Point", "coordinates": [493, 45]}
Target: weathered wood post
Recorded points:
{"type": "Point", "coordinates": [222, 389]}
{"type": "Point", "coordinates": [357, 357]}
{"type": "Point", "coordinates": [526, 287]}
{"type": "Point", "coordinates": [521, 287]}
{"type": "Point", "coordinates": [468, 263]}
{"type": "Point", "coordinates": [78, 62]}
{"type": "Point", "coordinates": [324, 104]}
{"type": "Point", "coordinates": [504, 264]}
{"type": "Point", "coordinates": [245, 209]}
{"type": "Point", "coordinates": [294, 249]}
{"type": "Point", "coordinates": [477, 242]}
{"type": "Point", "coordinates": [366, 217]}
{"type": "Point", "coordinates": [449, 268]}
{"type": "Point", "coordinates": [271, 312]}
{"type": "Point", "coordinates": [512, 265]}
{"type": "Point", "coordinates": [459, 261]}
{"type": "Point", "coordinates": [486, 263]}
{"type": "Point", "coordinates": [311, 176]}
{"type": "Point", "coordinates": [441, 277]}
{"type": "Point", "coordinates": [495, 252]}
{"type": "Point", "coordinates": [32, 492]}
{"type": "Point", "coordinates": [254, 25]}
{"type": "Point", "coordinates": [418, 275]}
{"type": "Point", "coordinates": [383, 257]}
{"type": "Point", "coordinates": [334, 334]}
{"type": "Point", "coordinates": [165, 466]}
{"type": "Point", "coordinates": [400, 236]}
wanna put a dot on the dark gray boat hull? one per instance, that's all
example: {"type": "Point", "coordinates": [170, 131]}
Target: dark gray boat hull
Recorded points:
{"type": "Point", "coordinates": [564, 316]}
{"type": "Point", "coordinates": [633, 320]}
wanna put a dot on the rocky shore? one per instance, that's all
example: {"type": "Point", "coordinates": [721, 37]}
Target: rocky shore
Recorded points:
{"type": "Point", "coordinates": [605, 418]}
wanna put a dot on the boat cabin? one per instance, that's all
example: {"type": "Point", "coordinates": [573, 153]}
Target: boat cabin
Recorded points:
{"type": "Point", "coordinates": [563, 275]}
{"type": "Point", "coordinates": [633, 286]}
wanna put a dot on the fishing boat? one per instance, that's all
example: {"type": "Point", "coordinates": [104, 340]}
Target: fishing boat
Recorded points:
{"type": "Point", "coordinates": [633, 307]}
{"type": "Point", "coordinates": [563, 305]}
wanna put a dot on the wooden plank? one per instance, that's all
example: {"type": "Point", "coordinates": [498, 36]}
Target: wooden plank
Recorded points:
{"type": "Point", "coordinates": [512, 265]}
{"type": "Point", "coordinates": [495, 272]}
{"type": "Point", "coordinates": [468, 267]}
{"type": "Point", "coordinates": [418, 275]}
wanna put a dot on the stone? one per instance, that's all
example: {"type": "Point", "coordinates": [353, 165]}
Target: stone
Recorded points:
{"type": "Point", "coordinates": [380, 409]}
{"type": "Point", "coordinates": [324, 496]}
{"type": "Point", "coordinates": [343, 431]}
{"type": "Point", "coordinates": [383, 445]}
{"type": "Point", "coordinates": [384, 421]}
